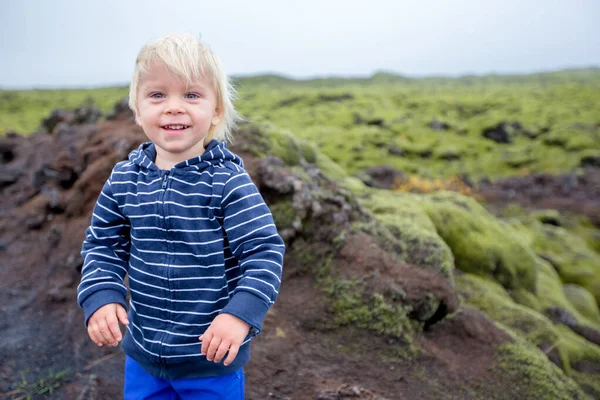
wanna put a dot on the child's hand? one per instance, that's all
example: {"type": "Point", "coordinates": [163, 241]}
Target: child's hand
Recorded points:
{"type": "Point", "coordinates": [226, 332]}
{"type": "Point", "coordinates": [103, 325]}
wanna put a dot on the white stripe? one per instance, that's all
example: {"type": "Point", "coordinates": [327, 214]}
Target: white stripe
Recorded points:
{"type": "Point", "coordinates": [195, 230]}
{"type": "Point", "coordinates": [137, 183]}
{"type": "Point", "coordinates": [178, 312]}
{"type": "Point", "coordinates": [243, 198]}
{"type": "Point", "coordinates": [191, 218]}
{"type": "Point", "coordinates": [256, 290]}
{"type": "Point", "coordinates": [83, 278]}
{"type": "Point", "coordinates": [236, 188]}
{"type": "Point", "coordinates": [177, 241]}
{"type": "Point", "coordinates": [235, 279]}
{"type": "Point", "coordinates": [269, 271]}
{"type": "Point", "coordinates": [250, 233]}
{"type": "Point", "coordinates": [165, 202]}
{"type": "Point", "coordinates": [262, 238]}
{"type": "Point", "coordinates": [245, 209]}
{"type": "Point", "coordinates": [101, 283]}
{"type": "Point", "coordinates": [110, 211]}
{"type": "Point", "coordinates": [170, 321]}
{"type": "Point", "coordinates": [170, 333]}
{"type": "Point", "coordinates": [177, 290]}
{"type": "Point", "coordinates": [114, 226]}
{"type": "Point", "coordinates": [113, 200]}
{"type": "Point", "coordinates": [177, 266]}
{"type": "Point", "coordinates": [179, 254]}
{"type": "Point", "coordinates": [103, 262]}
{"type": "Point", "coordinates": [141, 204]}
{"type": "Point", "coordinates": [180, 301]}
{"type": "Point", "coordinates": [101, 219]}
{"type": "Point", "coordinates": [247, 222]}
{"type": "Point", "coordinates": [138, 343]}
{"type": "Point", "coordinates": [135, 194]}
{"type": "Point", "coordinates": [209, 174]}
{"type": "Point", "coordinates": [186, 206]}
{"type": "Point", "coordinates": [192, 194]}
{"type": "Point", "coordinates": [191, 184]}
{"type": "Point", "coordinates": [87, 253]}
{"type": "Point", "coordinates": [261, 260]}
{"type": "Point", "coordinates": [260, 280]}
{"type": "Point", "coordinates": [130, 172]}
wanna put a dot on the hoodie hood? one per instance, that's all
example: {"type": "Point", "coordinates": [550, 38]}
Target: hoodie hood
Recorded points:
{"type": "Point", "coordinates": [216, 153]}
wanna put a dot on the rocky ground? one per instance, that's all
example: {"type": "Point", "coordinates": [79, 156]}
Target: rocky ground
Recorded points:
{"type": "Point", "coordinates": [358, 316]}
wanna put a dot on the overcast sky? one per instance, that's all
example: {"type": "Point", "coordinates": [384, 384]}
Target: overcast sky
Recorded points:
{"type": "Point", "coordinates": [63, 43]}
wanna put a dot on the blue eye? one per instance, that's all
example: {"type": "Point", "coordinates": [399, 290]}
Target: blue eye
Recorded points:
{"type": "Point", "coordinates": [156, 95]}
{"type": "Point", "coordinates": [192, 96]}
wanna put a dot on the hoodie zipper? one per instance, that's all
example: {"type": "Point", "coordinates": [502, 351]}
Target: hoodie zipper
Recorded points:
{"type": "Point", "coordinates": [163, 213]}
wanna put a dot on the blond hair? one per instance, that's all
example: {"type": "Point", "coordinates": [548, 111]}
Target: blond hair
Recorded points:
{"type": "Point", "coordinates": [192, 60]}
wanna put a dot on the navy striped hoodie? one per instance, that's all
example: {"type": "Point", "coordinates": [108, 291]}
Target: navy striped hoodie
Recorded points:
{"type": "Point", "coordinates": [195, 241]}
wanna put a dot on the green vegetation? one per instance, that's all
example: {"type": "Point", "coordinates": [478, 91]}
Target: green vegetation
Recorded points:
{"type": "Point", "coordinates": [29, 390]}
{"type": "Point", "coordinates": [431, 127]}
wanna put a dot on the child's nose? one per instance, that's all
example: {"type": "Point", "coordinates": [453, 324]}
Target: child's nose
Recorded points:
{"type": "Point", "coordinates": [174, 106]}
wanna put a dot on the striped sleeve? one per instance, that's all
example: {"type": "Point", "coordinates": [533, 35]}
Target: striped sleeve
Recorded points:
{"type": "Point", "coordinates": [105, 253]}
{"type": "Point", "coordinates": [257, 246]}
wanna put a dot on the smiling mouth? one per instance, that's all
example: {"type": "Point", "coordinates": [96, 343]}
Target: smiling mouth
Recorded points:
{"type": "Point", "coordinates": [175, 127]}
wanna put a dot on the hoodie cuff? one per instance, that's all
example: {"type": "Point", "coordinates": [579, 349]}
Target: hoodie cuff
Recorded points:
{"type": "Point", "coordinates": [249, 308]}
{"type": "Point", "coordinates": [99, 299]}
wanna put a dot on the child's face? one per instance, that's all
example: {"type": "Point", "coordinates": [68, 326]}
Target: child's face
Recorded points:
{"type": "Point", "coordinates": [175, 117]}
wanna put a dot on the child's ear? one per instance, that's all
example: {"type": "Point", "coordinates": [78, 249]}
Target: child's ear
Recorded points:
{"type": "Point", "coordinates": [217, 117]}
{"type": "Point", "coordinates": [137, 120]}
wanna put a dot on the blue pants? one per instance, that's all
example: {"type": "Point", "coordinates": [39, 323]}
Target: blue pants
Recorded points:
{"type": "Point", "coordinates": [139, 385]}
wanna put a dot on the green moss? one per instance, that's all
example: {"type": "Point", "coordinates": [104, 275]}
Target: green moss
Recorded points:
{"type": "Point", "coordinates": [527, 324]}
{"type": "Point", "coordinates": [527, 299]}
{"type": "Point", "coordinates": [568, 253]}
{"type": "Point", "coordinates": [372, 312]}
{"type": "Point", "coordinates": [532, 374]}
{"type": "Point", "coordinates": [409, 228]}
{"type": "Point", "coordinates": [480, 243]}
{"type": "Point", "coordinates": [492, 299]}
{"type": "Point", "coordinates": [589, 383]}
{"type": "Point", "coordinates": [583, 301]}
{"type": "Point", "coordinates": [551, 294]}
{"type": "Point", "coordinates": [283, 214]}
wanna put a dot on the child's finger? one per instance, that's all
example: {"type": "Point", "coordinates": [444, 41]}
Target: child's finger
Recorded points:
{"type": "Point", "coordinates": [113, 326]}
{"type": "Point", "coordinates": [105, 333]}
{"type": "Point", "coordinates": [122, 315]}
{"type": "Point", "coordinates": [206, 341]}
{"type": "Point", "coordinates": [233, 351]}
{"type": "Point", "coordinates": [212, 349]}
{"type": "Point", "coordinates": [223, 347]}
{"type": "Point", "coordinates": [92, 331]}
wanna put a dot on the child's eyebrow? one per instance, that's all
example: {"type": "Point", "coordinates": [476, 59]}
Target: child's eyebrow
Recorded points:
{"type": "Point", "coordinates": [196, 86]}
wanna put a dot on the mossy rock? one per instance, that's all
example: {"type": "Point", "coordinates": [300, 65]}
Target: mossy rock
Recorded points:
{"type": "Point", "coordinates": [284, 214]}
{"type": "Point", "coordinates": [583, 301]}
{"type": "Point", "coordinates": [480, 243]}
{"type": "Point", "coordinates": [566, 348]}
{"type": "Point", "coordinates": [410, 228]}
{"type": "Point", "coordinates": [373, 312]}
{"type": "Point", "coordinates": [550, 292]}
{"type": "Point", "coordinates": [534, 376]}
{"type": "Point", "coordinates": [568, 253]}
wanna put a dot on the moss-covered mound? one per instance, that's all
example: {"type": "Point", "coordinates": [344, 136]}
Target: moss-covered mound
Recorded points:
{"type": "Point", "coordinates": [501, 267]}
